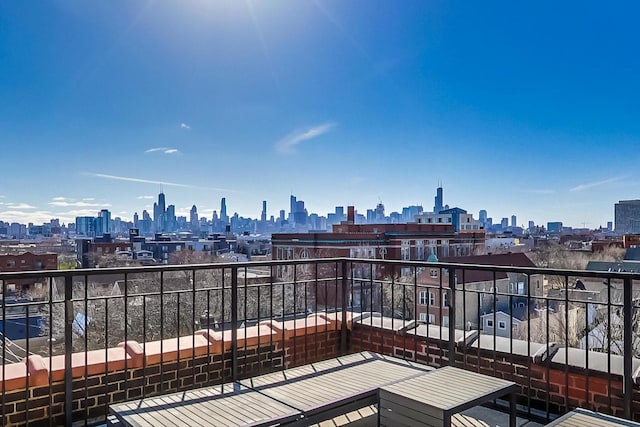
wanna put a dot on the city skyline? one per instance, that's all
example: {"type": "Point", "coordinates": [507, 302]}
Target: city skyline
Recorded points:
{"type": "Point", "coordinates": [519, 111]}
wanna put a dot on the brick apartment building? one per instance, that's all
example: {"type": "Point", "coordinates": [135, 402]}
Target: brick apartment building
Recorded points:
{"type": "Point", "coordinates": [27, 261]}
{"type": "Point", "coordinates": [403, 242]}
{"type": "Point", "coordinates": [479, 287]}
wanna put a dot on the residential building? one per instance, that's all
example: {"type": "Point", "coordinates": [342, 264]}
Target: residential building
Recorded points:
{"type": "Point", "coordinates": [26, 261]}
{"type": "Point", "coordinates": [627, 217]}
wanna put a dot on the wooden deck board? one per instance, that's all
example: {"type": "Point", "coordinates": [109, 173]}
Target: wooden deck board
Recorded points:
{"type": "Point", "coordinates": [285, 395]}
{"type": "Point", "coordinates": [205, 407]}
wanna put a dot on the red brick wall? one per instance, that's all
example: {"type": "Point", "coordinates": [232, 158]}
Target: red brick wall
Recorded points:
{"type": "Point", "coordinates": [543, 386]}
{"type": "Point", "coordinates": [199, 362]}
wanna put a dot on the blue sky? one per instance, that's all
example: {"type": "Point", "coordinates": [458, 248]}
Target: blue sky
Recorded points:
{"type": "Point", "coordinates": [517, 109]}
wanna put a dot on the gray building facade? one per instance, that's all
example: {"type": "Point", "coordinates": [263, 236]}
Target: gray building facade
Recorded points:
{"type": "Point", "coordinates": [627, 217]}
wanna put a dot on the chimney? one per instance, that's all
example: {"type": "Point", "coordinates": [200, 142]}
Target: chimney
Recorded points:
{"type": "Point", "coordinates": [351, 215]}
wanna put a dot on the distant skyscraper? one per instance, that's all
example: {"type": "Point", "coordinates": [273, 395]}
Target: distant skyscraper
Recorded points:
{"type": "Point", "coordinates": [159, 214]}
{"type": "Point", "coordinates": [85, 226]}
{"type": "Point", "coordinates": [504, 223]}
{"type": "Point", "coordinates": [193, 219]}
{"type": "Point", "coordinates": [103, 222]}
{"type": "Point", "coordinates": [292, 207]}
{"type": "Point", "coordinates": [300, 213]}
{"type": "Point", "coordinates": [438, 200]}
{"type": "Point", "coordinates": [263, 216]}
{"type": "Point", "coordinates": [514, 223]}
{"type": "Point", "coordinates": [482, 217]}
{"type": "Point", "coordinates": [224, 218]}
{"type": "Point", "coordinates": [170, 219]}
{"type": "Point", "coordinates": [380, 213]}
{"type": "Point", "coordinates": [532, 225]}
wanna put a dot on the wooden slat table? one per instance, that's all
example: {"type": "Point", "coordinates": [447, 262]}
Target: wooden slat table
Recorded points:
{"type": "Point", "coordinates": [433, 398]}
{"type": "Point", "coordinates": [583, 418]}
{"type": "Point", "coordinates": [224, 405]}
{"type": "Point", "coordinates": [322, 390]}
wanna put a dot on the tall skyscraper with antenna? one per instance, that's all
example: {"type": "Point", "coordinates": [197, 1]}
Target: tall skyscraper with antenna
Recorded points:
{"type": "Point", "coordinates": [160, 214]}
{"type": "Point", "coordinates": [438, 206]}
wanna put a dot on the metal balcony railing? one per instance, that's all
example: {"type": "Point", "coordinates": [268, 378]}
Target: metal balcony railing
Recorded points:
{"type": "Point", "coordinates": [529, 323]}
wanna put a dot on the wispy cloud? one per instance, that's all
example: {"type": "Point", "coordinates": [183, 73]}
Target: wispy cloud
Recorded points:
{"type": "Point", "coordinates": [59, 198]}
{"type": "Point", "coordinates": [36, 217]}
{"type": "Point", "coordinates": [287, 144]}
{"type": "Point", "coordinates": [145, 197]}
{"type": "Point", "coordinates": [185, 126]}
{"type": "Point", "coordinates": [20, 206]}
{"type": "Point", "coordinates": [151, 181]}
{"type": "Point", "coordinates": [590, 185]}
{"type": "Point", "coordinates": [165, 150]}
{"type": "Point", "coordinates": [156, 149]}
{"type": "Point", "coordinates": [66, 203]}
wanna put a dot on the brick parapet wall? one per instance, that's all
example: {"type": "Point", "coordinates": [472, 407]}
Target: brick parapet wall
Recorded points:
{"type": "Point", "coordinates": [102, 377]}
{"type": "Point", "coordinates": [544, 385]}
{"type": "Point", "coordinates": [133, 370]}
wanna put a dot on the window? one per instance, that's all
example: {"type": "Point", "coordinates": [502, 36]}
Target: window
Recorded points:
{"type": "Point", "coordinates": [489, 323]}
{"type": "Point", "coordinates": [445, 321]}
{"type": "Point", "coordinates": [432, 299]}
{"type": "Point", "coordinates": [422, 298]}
{"type": "Point", "coordinates": [405, 249]}
{"type": "Point", "coordinates": [502, 324]}
{"type": "Point", "coordinates": [432, 318]}
{"type": "Point", "coordinates": [420, 249]}
{"type": "Point", "coordinates": [423, 317]}
{"type": "Point", "coordinates": [445, 299]}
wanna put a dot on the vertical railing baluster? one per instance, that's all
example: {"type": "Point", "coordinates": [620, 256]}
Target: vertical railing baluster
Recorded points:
{"type": "Point", "coordinates": [4, 347]}
{"type": "Point", "coordinates": [68, 349]}
{"type": "Point", "coordinates": [343, 326]}
{"type": "Point", "coordinates": [161, 332]}
{"type": "Point", "coordinates": [234, 323]}
{"type": "Point", "coordinates": [628, 347]}
{"type": "Point", "coordinates": [452, 319]}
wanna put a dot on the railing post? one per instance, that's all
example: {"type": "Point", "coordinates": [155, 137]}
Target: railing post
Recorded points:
{"type": "Point", "coordinates": [345, 294]}
{"type": "Point", "coordinates": [68, 349]}
{"type": "Point", "coordinates": [234, 323]}
{"type": "Point", "coordinates": [452, 316]}
{"type": "Point", "coordinates": [628, 347]}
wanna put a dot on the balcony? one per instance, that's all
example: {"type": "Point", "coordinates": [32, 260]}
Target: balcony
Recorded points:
{"type": "Point", "coordinates": [84, 339]}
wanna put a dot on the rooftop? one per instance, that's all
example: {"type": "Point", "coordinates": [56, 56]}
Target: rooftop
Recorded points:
{"type": "Point", "coordinates": [305, 311]}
